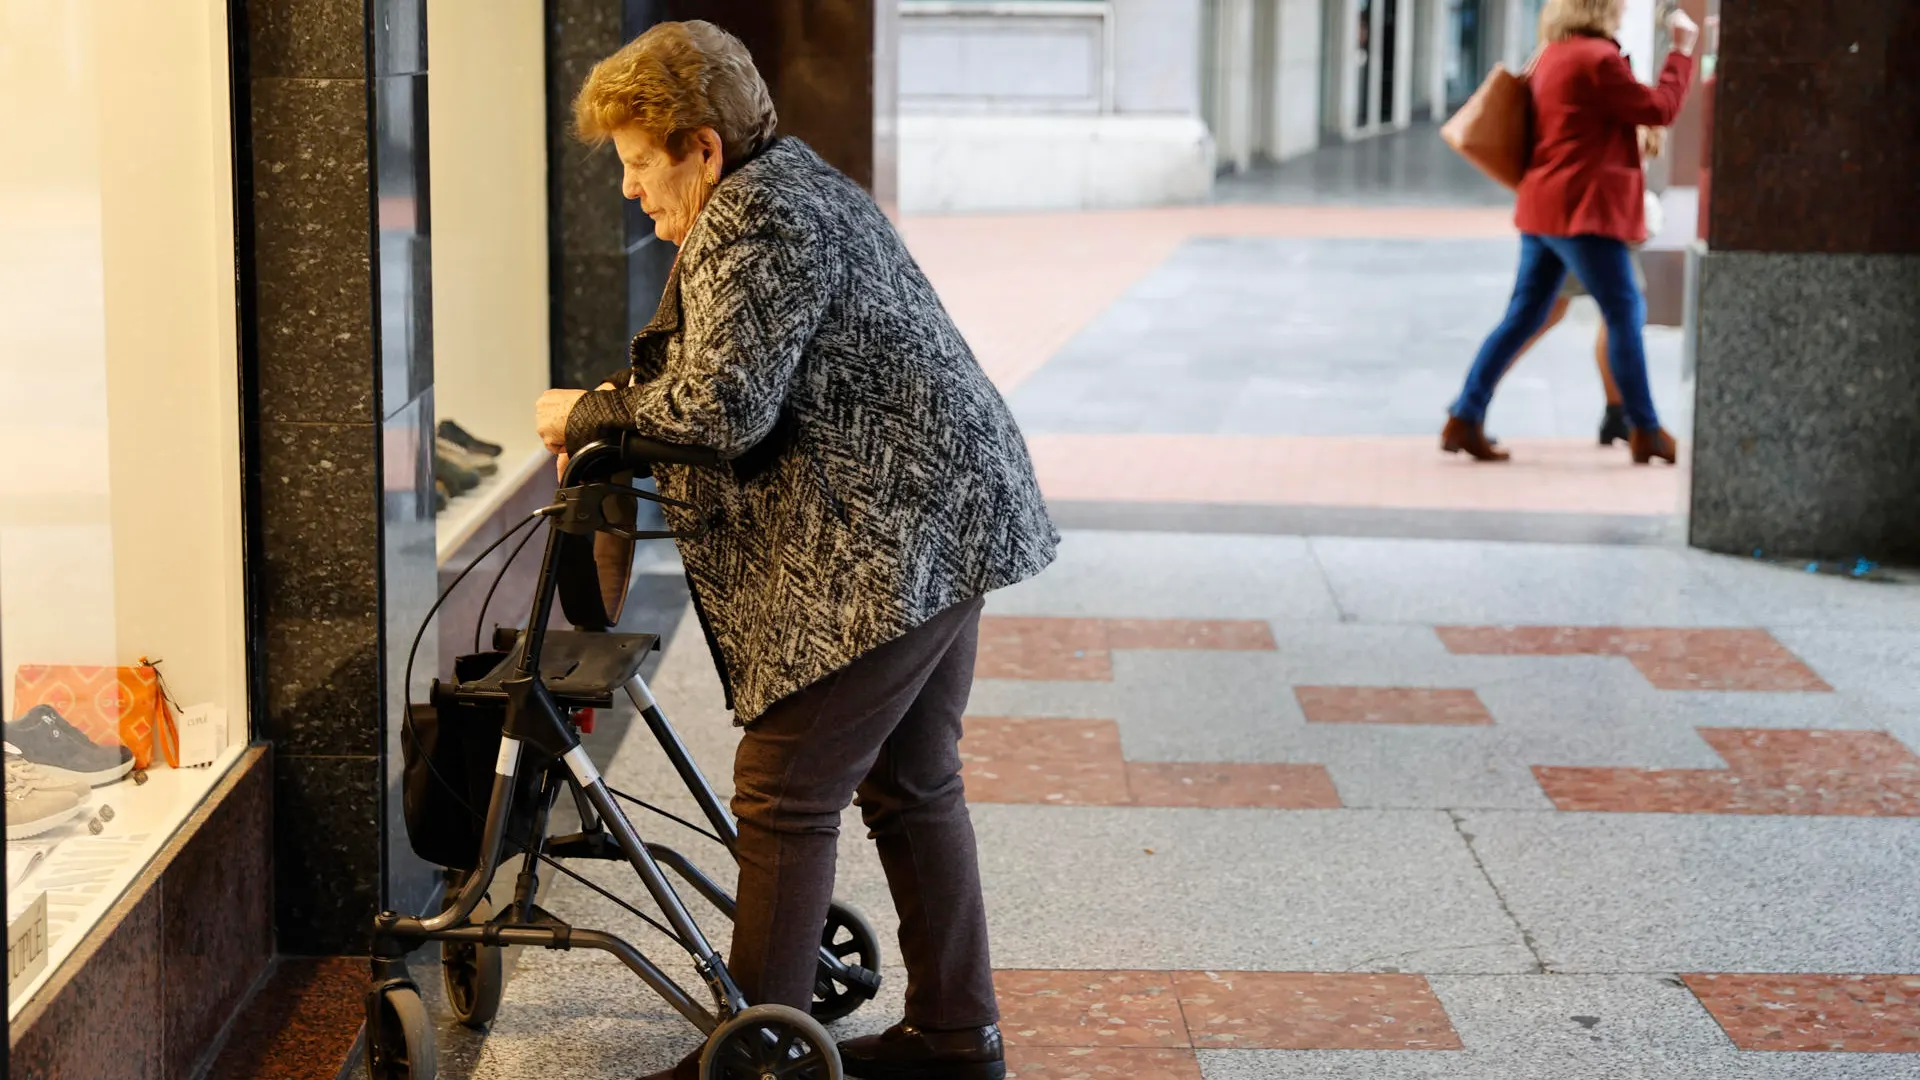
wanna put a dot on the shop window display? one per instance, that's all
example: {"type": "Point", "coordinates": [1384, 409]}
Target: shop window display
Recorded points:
{"type": "Point", "coordinates": [122, 662]}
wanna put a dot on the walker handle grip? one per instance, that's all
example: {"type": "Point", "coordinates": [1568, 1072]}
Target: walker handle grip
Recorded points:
{"type": "Point", "coordinates": [637, 450]}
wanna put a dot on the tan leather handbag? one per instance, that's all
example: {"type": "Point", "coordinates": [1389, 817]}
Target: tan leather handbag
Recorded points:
{"type": "Point", "coordinates": [1494, 129]}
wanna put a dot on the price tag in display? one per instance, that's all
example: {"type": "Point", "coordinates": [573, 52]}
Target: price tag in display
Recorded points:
{"type": "Point", "coordinates": [27, 942]}
{"type": "Point", "coordinates": [203, 734]}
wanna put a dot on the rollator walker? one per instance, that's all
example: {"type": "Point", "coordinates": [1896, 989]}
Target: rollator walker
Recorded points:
{"type": "Point", "coordinates": [487, 758]}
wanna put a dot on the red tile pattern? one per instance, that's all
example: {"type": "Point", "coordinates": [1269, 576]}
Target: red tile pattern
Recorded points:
{"type": "Point", "coordinates": [1839, 773]}
{"type": "Point", "coordinates": [1850, 1013]}
{"type": "Point", "coordinates": [1120, 1013]}
{"type": "Point", "coordinates": [1081, 650]}
{"type": "Point", "coordinates": [1390, 705]}
{"type": "Point", "coordinates": [1263, 785]}
{"type": "Point", "coordinates": [1034, 648]}
{"type": "Point", "coordinates": [1061, 762]}
{"type": "Point", "coordinates": [1237, 635]}
{"type": "Point", "coordinates": [1089, 1008]}
{"type": "Point", "coordinates": [1267, 1010]}
{"type": "Point", "coordinates": [1099, 1063]}
{"type": "Point", "coordinates": [1686, 659]}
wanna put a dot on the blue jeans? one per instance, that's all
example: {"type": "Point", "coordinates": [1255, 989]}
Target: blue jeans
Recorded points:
{"type": "Point", "coordinates": [1605, 267]}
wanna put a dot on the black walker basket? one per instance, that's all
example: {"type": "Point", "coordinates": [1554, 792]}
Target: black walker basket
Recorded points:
{"type": "Point", "coordinates": [489, 753]}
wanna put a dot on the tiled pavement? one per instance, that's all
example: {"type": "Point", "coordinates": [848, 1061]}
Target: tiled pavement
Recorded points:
{"type": "Point", "coordinates": [1247, 355]}
{"type": "Point", "coordinates": [1274, 807]}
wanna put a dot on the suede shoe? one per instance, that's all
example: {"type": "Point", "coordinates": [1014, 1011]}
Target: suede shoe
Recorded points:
{"type": "Point", "coordinates": [905, 1052]}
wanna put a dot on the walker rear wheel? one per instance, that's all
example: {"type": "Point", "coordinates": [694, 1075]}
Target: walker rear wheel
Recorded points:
{"type": "Point", "coordinates": [474, 974]}
{"type": "Point", "coordinates": [770, 1042]}
{"type": "Point", "coordinates": [850, 937]}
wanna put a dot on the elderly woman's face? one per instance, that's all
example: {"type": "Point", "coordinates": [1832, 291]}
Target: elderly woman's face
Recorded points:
{"type": "Point", "coordinates": [671, 192]}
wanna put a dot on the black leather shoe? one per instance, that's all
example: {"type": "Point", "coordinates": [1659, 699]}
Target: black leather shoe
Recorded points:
{"type": "Point", "coordinates": [905, 1052]}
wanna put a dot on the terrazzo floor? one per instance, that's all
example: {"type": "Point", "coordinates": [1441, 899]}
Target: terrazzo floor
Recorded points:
{"type": "Point", "coordinates": [1274, 807]}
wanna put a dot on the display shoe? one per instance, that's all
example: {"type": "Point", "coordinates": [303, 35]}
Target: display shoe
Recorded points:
{"type": "Point", "coordinates": [17, 764]}
{"type": "Point", "coordinates": [460, 437]}
{"type": "Point", "coordinates": [1613, 426]}
{"type": "Point", "coordinates": [458, 478]}
{"type": "Point", "coordinates": [1464, 436]}
{"type": "Point", "coordinates": [466, 459]}
{"type": "Point", "coordinates": [32, 810]}
{"type": "Point", "coordinates": [1648, 444]}
{"type": "Point", "coordinates": [63, 752]}
{"type": "Point", "coordinates": [905, 1052]}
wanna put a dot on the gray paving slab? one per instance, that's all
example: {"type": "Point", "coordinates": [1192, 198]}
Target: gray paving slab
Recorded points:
{"type": "Point", "coordinates": [1878, 666]}
{"type": "Point", "coordinates": [1788, 596]}
{"type": "Point", "coordinates": [1585, 1027]}
{"type": "Point", "coordinates": [1333, 890]}
{"type": "Point", "coordinates": [1446, 581]}
{"type": "Point", "coordinates": [1271, 336]}
{"type": "Point", "coordinates": [1174, 575]}
{"type": "Point", "coordinates": [1704, 892]}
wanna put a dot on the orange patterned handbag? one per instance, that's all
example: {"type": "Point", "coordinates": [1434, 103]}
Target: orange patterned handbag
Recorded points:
{"type": "Point", "coordinates": [127, 706]}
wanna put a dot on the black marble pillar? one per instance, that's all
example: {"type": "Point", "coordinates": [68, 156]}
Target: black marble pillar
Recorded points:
{"type": "Point", "coordinates": [1807, 421]}
{"type": "Point", "coordinates": [592, 303]}
{"type": "Point", "coordinates": [334, 229]}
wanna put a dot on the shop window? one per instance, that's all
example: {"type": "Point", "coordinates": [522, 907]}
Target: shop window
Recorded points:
{"type": "Point", "coordinates": [122, 661]}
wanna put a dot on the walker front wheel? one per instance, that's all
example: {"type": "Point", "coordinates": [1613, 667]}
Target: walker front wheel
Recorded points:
{"type": "Point", "coordinates": [400, 1037]}
{"type": "Point", "coordinates": [770, 1042]}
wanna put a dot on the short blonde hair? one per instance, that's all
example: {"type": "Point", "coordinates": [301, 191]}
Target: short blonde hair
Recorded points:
{"type": "Point", "coordinates": [1562, 19]}
{"type": "Point", "coordinates": [673, 80]}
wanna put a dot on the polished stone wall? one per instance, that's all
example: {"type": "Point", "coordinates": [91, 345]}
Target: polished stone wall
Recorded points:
{"type": "Point", "coordinates": [341, 353]}
{"type": "Point", "coordinates": [1807, 426]}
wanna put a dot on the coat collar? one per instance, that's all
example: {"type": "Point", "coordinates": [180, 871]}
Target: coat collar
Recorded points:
{"type": "Point", "coordinates": [666, 317]}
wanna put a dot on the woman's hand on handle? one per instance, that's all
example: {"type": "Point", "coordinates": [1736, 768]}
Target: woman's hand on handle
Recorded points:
{"type": "Point", "coordinates": [1686, 32]}
{"type": "Point", "coordinates": [550, 417]}
{"type": "Point", "coordinates": [550, 414]}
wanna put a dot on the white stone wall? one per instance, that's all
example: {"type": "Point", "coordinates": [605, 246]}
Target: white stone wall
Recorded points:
{"type": "Point", "coordinates": [1051, 104]}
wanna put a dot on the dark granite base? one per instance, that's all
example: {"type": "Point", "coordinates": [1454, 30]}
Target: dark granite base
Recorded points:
{"type": "Point", "coordinates": [148, 992]}
{"type": "Point", "coordinates": [1807, 420]}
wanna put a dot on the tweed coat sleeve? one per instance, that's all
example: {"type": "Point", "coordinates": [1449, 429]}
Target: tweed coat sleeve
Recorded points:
{"type": "Point", "coordinates": [751, 303]}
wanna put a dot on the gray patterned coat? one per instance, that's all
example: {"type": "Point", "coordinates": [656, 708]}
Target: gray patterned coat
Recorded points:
{"type": "Point", "coordinates": [874, 475]}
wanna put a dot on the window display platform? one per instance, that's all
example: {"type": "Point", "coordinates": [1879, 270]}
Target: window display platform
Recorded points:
{"type": "Point", "coordinates": [466, 514]}
{"type": "Point", "coordinates": [83, 873]}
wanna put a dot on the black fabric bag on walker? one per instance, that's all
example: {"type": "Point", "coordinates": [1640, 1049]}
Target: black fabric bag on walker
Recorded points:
{"type": "Point", "coordinates": [449, 756]}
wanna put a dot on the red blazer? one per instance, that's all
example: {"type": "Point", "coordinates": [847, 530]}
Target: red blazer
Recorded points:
{"type": "Point", "coordinates": [1584, 177]}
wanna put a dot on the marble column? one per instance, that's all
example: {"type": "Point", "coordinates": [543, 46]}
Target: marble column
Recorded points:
{"type": "Point", "coordinates": [1807, 420]}
{"type": "Point", "coordinates": [339, 378]}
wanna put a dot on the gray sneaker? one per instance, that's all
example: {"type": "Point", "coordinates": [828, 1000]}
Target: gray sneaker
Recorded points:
{"type": "Point", "coordinates": [32, 810]}
{"type": "Point", "coordinates": [63, 751]}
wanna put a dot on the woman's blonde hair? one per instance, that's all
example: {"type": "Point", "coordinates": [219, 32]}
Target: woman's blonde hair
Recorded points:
{"type": "Point", "coordinates": [673, 80]}
{"type": "Point", "coordinates": [1562, 19]}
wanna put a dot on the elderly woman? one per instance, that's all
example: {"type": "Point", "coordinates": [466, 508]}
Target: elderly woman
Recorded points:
{"type": "Point", "coordinates": [875, 488]}
{"type": "Point", "coordinates": [1579, 207]}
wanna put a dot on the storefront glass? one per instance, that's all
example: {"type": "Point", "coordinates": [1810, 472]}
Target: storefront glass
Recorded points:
{"type": "Point", "coordinates": [122, 662]}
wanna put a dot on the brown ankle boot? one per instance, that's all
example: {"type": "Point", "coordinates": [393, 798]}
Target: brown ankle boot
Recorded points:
{"type": "Point", "coordinates": [1461, 435]}
{"type": "Point", "coordinates": [1648, 444]}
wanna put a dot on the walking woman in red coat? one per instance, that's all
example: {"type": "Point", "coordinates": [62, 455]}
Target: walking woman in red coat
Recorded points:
{"type": "Point", "coordinates": [1579, 206]}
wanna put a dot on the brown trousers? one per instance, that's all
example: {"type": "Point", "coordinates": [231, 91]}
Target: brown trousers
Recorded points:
{"type": "Point", "coordinates": [886, 726]}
